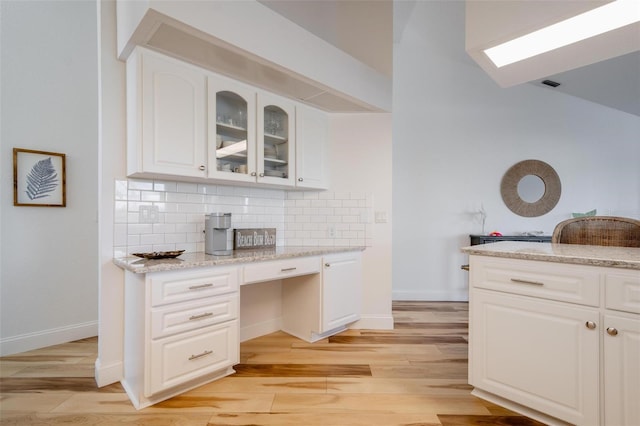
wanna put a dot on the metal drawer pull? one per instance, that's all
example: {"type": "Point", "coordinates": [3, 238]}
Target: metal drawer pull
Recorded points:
{"type": "Point", "coordinates": [515, 280]}
{"type": "Point", "coordinates": [327, 265]}
{"type": "Point", "coordinates": [590, 325]}
{"type": "Point", "coordinates": [205, 353]}
{"type": "Point", "coordinates": [288, 269]}
{"type": "Point", "coordinates": [612, 331]}
{"type": "Point", "coordinates": [196, 287]}
{"type": "Point", "coordinates": [206, 314]}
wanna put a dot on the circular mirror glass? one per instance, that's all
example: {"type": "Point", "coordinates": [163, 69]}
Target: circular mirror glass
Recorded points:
{"type": "Point", "coordinates": [531, 188]}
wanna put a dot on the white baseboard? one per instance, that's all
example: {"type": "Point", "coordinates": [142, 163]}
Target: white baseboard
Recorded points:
{"type": "Point", "coordinates": [374, 322]}
{"type": "Point", "coordinates": [432, 296]}
{"type": "Point", "coordinates": [260, 329]}
{"type": "Point", "coordinates": [44, 338]}
{"type": "Point", "coordinates": [108, 374]}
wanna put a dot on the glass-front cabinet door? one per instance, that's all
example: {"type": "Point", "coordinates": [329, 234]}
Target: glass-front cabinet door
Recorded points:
{"type": "Point", "coordinates": [276, 140]}
{"type": "Point", "coordinates": [232, 143]}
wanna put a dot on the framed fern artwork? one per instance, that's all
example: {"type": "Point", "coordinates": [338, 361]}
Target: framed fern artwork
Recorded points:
{"type": "Point", "coordinates": [39, 178]}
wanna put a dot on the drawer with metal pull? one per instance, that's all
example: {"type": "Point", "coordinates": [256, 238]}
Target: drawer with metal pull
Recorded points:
{"type": "Point", "coordinates": [178, 286]}
{"type": "Point", "coordinates": [279, 269]}
{"type": "Point", "coordinates": [180, 317]}
{"type": "Point", "coordinates": [557, 281]}
{"type": "Point", "coordinates": [186, 356]}
{"type": "Point", "coordinates": [622, 291]}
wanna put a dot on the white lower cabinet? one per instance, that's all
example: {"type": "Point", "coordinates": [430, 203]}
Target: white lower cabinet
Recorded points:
{"type": "Point", "coordinates": [341, 290]}
{"type": "Point", "coordinates": [538, 353]}
{"type": "Point", "coordinates": [557, 342]}
{"type": "Point", "coordinates": [181, 331]}
{"type": "Point", "coordinates": [621, 370]}
{"type": "Point", "coordinates": [316, 307]}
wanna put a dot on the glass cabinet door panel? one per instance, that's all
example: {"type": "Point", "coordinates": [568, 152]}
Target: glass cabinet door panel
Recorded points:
{"type": "Point", "coordinates": [231, 131]}
{"type": "Point", "coordinates": [276, 140]}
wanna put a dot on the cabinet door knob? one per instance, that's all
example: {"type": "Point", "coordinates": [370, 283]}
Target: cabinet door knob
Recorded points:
{"type": "Point", "coordinates": [300, 179]}
{"type": "Point", "coordinates": [202, 168]}
{"type": "Point", "coordinates": [590, 325]}
{"type": "Point", "coordinates": [261, 175]}
{"type": "Point", "coordinates": [253, 173]}
{"type": "Point", "coordinates": [327, 265]}
{"type": "Point", "coordinates": [612, 331]}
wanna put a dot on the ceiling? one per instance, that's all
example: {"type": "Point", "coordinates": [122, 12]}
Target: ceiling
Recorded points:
{"type": "Point", "coordinates": [356, 26]}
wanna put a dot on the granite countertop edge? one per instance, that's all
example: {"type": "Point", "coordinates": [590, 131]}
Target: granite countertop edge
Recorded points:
{"type": "Point", "coordinates": [613, 257]}
{"type": "Point", "coordinates": [200, 259]}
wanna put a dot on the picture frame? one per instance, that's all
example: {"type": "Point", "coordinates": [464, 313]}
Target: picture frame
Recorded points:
{"type": "Point", "coordinates": [39, 178]}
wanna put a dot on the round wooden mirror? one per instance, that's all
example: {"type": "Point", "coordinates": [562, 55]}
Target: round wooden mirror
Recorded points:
{"type": "Point", "coordinates": [530, 188]}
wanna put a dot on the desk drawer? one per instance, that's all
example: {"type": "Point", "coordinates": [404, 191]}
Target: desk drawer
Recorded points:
{"type": "Point", "coordinates": [183, 357]}
{"type": "Point", "coordinates": [279, 269]}
{"type": "Point", "coordinates": [546, 280]}
{"type": "Point", "coordinates": [177, 318]}
{"type": "Point", "coordinates": [179, 286]}
{"type": "Point", "coordinates": [622, 291]}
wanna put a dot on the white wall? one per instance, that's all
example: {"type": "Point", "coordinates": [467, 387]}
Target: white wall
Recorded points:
{"type": "Point", "coordinates": [455, 134]}
{"type": "Point", "coordinates": [49, 279]}
{"type": "Point", "coordinates": [361, 162]}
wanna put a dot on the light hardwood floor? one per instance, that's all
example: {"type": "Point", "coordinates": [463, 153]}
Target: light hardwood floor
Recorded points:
{"type": "Point", "coordinates": [413, 375]}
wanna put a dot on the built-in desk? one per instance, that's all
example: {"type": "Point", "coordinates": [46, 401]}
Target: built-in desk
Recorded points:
{"type": "Point", "coordinates": [182, 315]}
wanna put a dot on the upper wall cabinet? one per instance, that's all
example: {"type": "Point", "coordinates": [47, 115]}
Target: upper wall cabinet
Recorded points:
{"type": "Point", "coordinates": [166, 112]}
{"type": "Point", "coordinates": [312, 148]}
{"type": "Point", "coordinates": [190, 124]}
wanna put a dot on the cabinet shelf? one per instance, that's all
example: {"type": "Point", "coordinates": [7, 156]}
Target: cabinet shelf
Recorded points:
{"type": "Point", "coordinates": [275, 139]}
{"type": "Point", "coordinates": [231, 130]}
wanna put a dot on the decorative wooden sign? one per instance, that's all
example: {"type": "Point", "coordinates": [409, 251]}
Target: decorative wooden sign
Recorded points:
{"type": "Point", "coordinates": [254, 238]}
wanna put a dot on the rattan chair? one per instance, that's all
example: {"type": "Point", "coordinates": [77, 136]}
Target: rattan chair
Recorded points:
{"type": "Point", "coordinates": [598, 231]}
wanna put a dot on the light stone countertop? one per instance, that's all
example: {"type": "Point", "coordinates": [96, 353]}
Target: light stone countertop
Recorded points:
{"type": "Point", "coordinates": [200, 259]}
{"type": "Point", "coordinates": [613, 257]}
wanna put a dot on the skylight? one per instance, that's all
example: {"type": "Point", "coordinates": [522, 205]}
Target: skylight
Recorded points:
{"type": "Point", "coordinates": [611, 16]}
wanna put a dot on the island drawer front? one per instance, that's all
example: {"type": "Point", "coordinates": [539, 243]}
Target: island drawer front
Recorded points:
{"type": "Point", "coordinates": [545, 280]}
{"type": "Point", "coordinates": [183, 357]}
{"type": "Point", "coordinates": [268, 271]}
{"type": "Point", "coordinates": [178, 318]}
{"type": "Point", "coordinates": [178, 286]}
{"type": "Point", "coordinates": [622, 291]}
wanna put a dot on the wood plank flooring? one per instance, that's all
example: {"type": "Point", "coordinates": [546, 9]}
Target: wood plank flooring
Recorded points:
{"type": "Point", "coordinates": [414, 375]}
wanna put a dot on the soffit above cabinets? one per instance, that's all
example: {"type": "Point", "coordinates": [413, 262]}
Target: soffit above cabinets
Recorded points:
{"type": "Point", "coordinates": [150, 28]}
{"type": "Point", "coordinates": [492, 22]}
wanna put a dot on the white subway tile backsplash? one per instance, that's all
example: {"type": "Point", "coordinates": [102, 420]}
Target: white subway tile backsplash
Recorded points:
{"type": "Point", "coordinates": [300, 217]}
{"type": "Point", "coordinates": [143, 185]}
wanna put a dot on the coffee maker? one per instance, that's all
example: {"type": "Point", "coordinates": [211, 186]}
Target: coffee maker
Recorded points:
{"type": "Point", "coordinates": [218, 235]}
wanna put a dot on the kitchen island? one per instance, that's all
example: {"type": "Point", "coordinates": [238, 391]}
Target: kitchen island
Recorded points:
{"type": "Point", "coordinates": [554, 330]}
{"type": "Point", "coordinates": [182, 315]}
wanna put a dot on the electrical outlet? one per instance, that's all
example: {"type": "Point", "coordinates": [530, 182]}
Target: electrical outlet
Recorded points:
{"type": "Point", "coordinates": [381, 217]}
{"type": "Point", "coordinates": [148, 214]}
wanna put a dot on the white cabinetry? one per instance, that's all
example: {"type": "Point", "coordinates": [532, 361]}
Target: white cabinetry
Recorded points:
{"type": "Point", "coordinates": [313, 309]}
{"type": "Point", "coordinates": [312, 148]}
{"type": "Point", "coordinates": [166, 112]}
{"type": "Point", "coordinates": [186, 123]}
{"type": "Point", "coordinates": [537, 352]}
{"type": "Point", "coordinates": [621, 365]}
{"type": "Point", "coordinates": [181, 330]}
{"type": "Point", "coordinates": [341, 290]}
{"type": "Point", "coordinates": [251, 134]}
{"type": "Point", "coordinates": [537, 330]}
